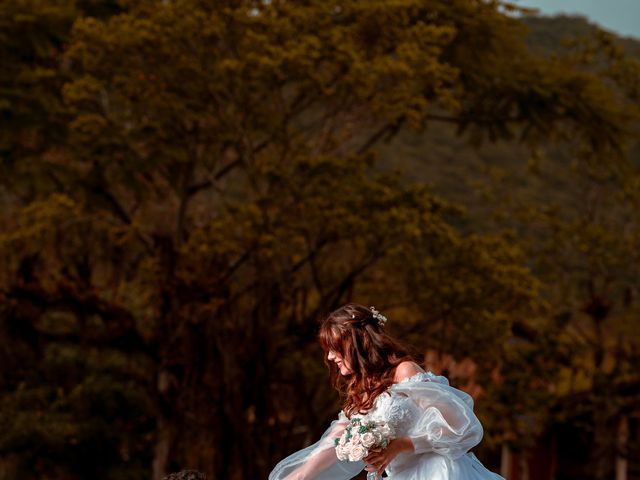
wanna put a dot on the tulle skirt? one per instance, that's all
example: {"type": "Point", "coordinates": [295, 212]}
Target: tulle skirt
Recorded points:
{"type": "Point", "coordinates": [432, 466]}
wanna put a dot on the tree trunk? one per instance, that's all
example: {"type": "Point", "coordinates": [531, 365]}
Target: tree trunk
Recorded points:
{"type": "Point", "coordinates": [165, 432]}
{"type": "Point", "coordinates": [163, 448]}
{"type": "Point", "coordinates": [621, 453]}
{"type": "Point", "coordinates": [505, 461]}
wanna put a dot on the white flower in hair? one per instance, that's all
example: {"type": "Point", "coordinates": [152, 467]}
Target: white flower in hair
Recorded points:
{"type": "Point", "coordinates": [378, 316]}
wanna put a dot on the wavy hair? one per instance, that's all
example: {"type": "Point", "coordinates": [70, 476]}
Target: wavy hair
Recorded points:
{"type": "Point", "coordinates": [369, 351]}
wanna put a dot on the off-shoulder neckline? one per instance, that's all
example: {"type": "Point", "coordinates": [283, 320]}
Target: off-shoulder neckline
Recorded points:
{"type": "Point", "coordinates": [427, 376]}
{"type": "Point", "coordinates": [415, 377]}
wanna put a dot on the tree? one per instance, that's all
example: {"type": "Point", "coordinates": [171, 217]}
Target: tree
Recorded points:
{"type": "Point", "coordinates": [582, 241]}
{"type": "Point", "coordinates": [214, 192]}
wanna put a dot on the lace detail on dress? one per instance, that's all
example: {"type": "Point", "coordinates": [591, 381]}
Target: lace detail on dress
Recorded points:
{"type": "Point", "coordinates": [395, 407]}
{"type": "Point", "coordinates": [390, 408]}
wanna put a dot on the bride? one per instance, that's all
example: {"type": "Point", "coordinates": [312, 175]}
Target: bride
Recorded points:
{"type": "Point", "coordinates": [434, 423]}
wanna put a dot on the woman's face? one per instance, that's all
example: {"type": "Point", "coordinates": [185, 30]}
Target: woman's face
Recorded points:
{"type": "Point", "coordinates": [343, 366]}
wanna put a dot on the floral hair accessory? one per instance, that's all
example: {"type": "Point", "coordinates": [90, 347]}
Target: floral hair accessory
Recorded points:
{"type": "Point", "coordinates": [378, 316]}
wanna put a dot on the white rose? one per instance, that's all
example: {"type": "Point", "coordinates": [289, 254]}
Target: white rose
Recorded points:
{"type": "Point", "coordinates": [355, 438]}
{"type": "Point", "coordinates": [343, 440]}
{"type": "Point", "coordinates": [342, 452]}
{"type": "Point", "coordinates": [358, 452]}
{"type": "Point", "coordinates": [368, 439]}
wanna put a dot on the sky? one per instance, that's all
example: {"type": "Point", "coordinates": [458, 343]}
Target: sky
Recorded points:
{"type": "Point", "coordinates": [619, 16]}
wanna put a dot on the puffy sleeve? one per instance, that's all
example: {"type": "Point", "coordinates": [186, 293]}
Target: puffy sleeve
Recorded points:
{"type": "Point", "coordinates": [318, 461]}
{"type": "Point", "coordinates": [445, 422]}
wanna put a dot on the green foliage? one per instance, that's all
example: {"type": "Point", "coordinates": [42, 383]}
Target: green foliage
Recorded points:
{"type": "Point", "coordinates": [74, 415]}
{"type": "Point", "coordinates": [191, 185]}
{"type": "Point", "coordinates": [570, 210]}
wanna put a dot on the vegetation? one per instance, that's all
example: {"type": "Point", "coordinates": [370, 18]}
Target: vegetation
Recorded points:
{"type": "Point", "coordinates": [188, 186]}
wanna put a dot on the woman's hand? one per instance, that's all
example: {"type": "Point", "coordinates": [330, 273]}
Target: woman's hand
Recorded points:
{"type": "Point", "coordinates": [378, 461]}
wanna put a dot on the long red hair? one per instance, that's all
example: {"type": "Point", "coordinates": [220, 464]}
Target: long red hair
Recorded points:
{"type": "Point", "coordinates": [372, 355]}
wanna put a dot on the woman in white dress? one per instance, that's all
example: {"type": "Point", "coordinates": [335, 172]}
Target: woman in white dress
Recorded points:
{"type": "Point", "coordinates": [434, 423]}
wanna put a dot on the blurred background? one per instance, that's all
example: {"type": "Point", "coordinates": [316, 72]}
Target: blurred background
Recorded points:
{"type": "Point", "coordinates": [188, 186]}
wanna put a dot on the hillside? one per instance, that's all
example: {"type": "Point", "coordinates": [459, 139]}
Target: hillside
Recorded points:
{"type": "Point", "coordinates": [472, 175]}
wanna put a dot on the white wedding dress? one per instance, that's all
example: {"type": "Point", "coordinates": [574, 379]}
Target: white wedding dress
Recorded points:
{"type": "Point", "coordinates": [438, 418]}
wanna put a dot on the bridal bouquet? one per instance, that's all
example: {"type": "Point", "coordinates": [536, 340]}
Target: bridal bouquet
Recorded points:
{"type": "Point", "coordinates": [360, 437]}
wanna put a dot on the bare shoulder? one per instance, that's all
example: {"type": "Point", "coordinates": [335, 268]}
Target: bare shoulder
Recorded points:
{"type": "Point", "coordinates": [406, 370]}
